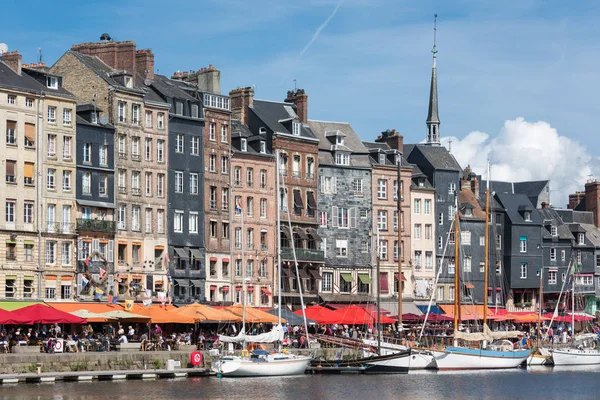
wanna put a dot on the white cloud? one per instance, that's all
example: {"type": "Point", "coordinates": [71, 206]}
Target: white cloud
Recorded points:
{"type": "Point", "coordinates": [524, 151]}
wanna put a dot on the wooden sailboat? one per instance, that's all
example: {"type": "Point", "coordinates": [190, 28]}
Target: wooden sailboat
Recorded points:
{"type": "Point", "coordinates": [491, 350]}
{"type": "Point", "coordinates": [261, 362]}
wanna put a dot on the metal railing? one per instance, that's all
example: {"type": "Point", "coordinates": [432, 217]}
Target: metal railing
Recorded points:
{"type": "Point", "coordinates": [60, 227]}
{"type": "Point", "coordinates": [303, 254]}
{"type": "Point", "coordinates": [93, 225]}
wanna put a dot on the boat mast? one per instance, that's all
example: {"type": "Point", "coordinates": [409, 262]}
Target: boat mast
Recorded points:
{"type": "Point", "coordinates": [487, 244]}
{"type": "Point", "coordinates": [540, 307]}
{"type": "Point", "coordinates": [456, 273]}
{"type": "Point", "coordinates": [243, 278]}
{"type": "Point", "coordinates": [278, 205]}
{"type": "Point", "coordinates": [378, 297]}
{"type": "Point", "coordinates": [400, 226]}
{"type": "Point", "coordinates": [573, 302]}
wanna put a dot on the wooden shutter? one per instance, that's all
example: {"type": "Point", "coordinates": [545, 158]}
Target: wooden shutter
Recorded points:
{"type": "Point", "coordinates": [334, 184]}
{"type": "Point", "coordinates": [322, 184]}
{"type": "Point", "coordinates": [334, 216]}
{"type": "Point", "coordinates": [110, 251]}
{"type": "Point", "coordinates": [352, 213]}
{"type": "Point", "coordinates": [80, 249]}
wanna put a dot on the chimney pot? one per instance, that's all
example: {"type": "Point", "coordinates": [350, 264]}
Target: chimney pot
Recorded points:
{"type": "Point", "coordinates": [14, 60]}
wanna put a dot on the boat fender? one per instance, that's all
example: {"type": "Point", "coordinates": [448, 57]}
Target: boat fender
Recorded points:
{"type": "Point", "coordinates": [284, 351]}
{"type": "Point", "coordinates": [196, 358]}
{"type": "Point", "coordinates": [244, 353]}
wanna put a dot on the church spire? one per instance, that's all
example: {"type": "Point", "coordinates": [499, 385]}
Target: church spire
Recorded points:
{"type": "Point", "coordinates": [433, 120]}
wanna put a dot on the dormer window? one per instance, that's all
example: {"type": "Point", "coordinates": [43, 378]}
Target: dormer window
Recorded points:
{"type": "Point", "coordinates": [128, 81]}
{"type": "Point", "coordinates": [263, 147]}
{"type": "Point", "coordinates": [397, 159]}
{"type": "Point", "coordinates": [382, 159]}
{"type": "Point", "coordinates": [296, 128]}
{"type": "Point", "coordinates": [52, 82]}
{"type": "Point", "coordinates": [553, 230]}
{"type": "Point", "coordinates": [581, 238]}
{"type": "Point", "coordinates": [244, 145]}
{"type": "Point", "coordinates": [527, 216]}
{"type": "Point", "coordinates": [94, 117]}
{"type": "Point", "coordinates": [468, 212]}
{"type": "Point", "coordinates": [421, 182]}
{"type": "Point", "coordinates": [262, 130]}
{"type": "Point", "coordinates": [342, 159]}
{"type": "Point", "coordinates": [339, 140]}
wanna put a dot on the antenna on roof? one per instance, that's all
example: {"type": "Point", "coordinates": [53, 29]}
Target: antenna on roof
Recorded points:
{"type": "Point", "coordinates": [40, 56]}
{"type": "Point", "coordinates": [449, 144]}
{"type": "Point", "coordinates": [294, 85]}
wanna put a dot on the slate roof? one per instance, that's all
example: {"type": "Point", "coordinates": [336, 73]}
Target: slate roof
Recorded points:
{"type": "Point", "coordinates": [359, 154]}
{"type": "Point", "coordinates": [532, 189]}
{"type": "Point", "coordinates": [88, 107]}
{"type": "Point", "coordinates": [274, 114]}
{"type": "Point", "coordinates": [376, 147]}
{"type": "Point", "coordinates": [240, 130]}
{"type": "Point", "coordinates": [40, 77]}
{"type": "Point", "coordinates": [83, 121]}
{"type": "Point", "coordinates": [171, 88]}
{"type": "Point", "coordinates": [511, 203]}
{"type": "Point", "coordinates": [438, 156]}
{"type": "Point", "coordinates": [551, 217]}
{"type": "Point", "coordinates": [11, 80]}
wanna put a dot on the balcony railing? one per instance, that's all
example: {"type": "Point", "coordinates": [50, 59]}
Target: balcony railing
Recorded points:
{"type": "Point", "coordinates": [303, 254]}
{"type": "Point", "coordinates": [60, 227]}
{"type": "Point", "coordinates": [136, 191]}
{"type": "Point", "coordinates": [93, 225]}
{"type": "Point", "coordinates": [122, 189]}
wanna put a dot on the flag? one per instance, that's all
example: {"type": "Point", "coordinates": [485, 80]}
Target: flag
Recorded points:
{"type": "Point", "coordinates": [102, 272]}
{"type": "Point", "coordinates": [114, 300]}
{"type": "Point", "coordinates": [110, 298]}
{"type": "Point", "coordinates": [238, 205]}
{"type": "Point", "coordinates": [162, 297]}
{"type": "Point", "coordinates": [87, 261]}
{"type": "Point", "coordinates": [98, 295]}
{"type": "Point", "coordinates": [147, 303]}
{"type": "Point", "coordinates": [128, 305]}
{"type": "Point", "coordinates": [84, 282]}
{"type": "Point", "coordinates": [99, 291]}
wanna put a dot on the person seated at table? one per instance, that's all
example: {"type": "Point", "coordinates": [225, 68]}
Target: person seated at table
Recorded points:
{"type": "Point", "coordinates": [123, 339]}
{"type": "Point", "coordinates": [120, 331]}
{"type": "Point", "coordinates": [130, 332]}
{"type": "Point", "coordinates": [71, 345]}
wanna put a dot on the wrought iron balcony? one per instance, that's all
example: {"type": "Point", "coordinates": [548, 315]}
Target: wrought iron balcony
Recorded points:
{"type": "Point", "coordinates": [303, 254]}
{"type": "Point", "coordinates": [60, 227]}
{"type": "Point", "coordinates": [94, 225]}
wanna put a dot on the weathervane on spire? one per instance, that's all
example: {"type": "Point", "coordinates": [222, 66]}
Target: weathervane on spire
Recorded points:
{"type": "Point", "coordinates": [434, 50]}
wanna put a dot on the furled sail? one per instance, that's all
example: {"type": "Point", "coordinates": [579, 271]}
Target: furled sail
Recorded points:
{"type": "Point", "coordinates": [275, 335]}
{"type": "Point", "coordinates": [487, 334]}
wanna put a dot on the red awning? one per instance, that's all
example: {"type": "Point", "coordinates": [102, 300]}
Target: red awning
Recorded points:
{"type": "Point", "coordinates": [383, 282]}
{"type": "Point", "coordinates": [469, 286]}
{"type": "Point", "coordinates": [41, 314]}
{"type": "Point", "coordinates": [238, 288]}
{"type": "Point", "coordinates": [213, 287]}
{"type": "Point", "coordinates": [213, 259]}
{"type": "Point", "coordinates": [396, 276]}
{"type": "Point", "coordinates": [226, 260]}
{"type": "Point", "coordinates": [266, 291]}
{"type": "Point", "coordinates": [250, 288]}
{"type": "Point", "coordinates": [225, 289]}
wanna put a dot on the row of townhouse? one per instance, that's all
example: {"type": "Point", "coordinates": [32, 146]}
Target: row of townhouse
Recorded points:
{"type": "Point", "coordinates": [148, 186]}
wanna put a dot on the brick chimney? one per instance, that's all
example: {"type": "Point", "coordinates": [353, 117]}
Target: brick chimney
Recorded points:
{"type": "Point", "coordinates": [241, 99]}
{"type": "Point", "coordinates": [300, 99]}
{"type": "Point", "coordinates": [207, 79]}
{"type": "Point", "coordinates": [575, 199]}
{"type": "Point", "coordinates": [119, 55]}
{"type": "Point", "coordinates": [144, 63]}
{"type": "Point", "coordinates": [14, 60]}
{"type": "Point", "coordinates": [394, 139]}
{"type": "Point", "coordinates": [592, 199]}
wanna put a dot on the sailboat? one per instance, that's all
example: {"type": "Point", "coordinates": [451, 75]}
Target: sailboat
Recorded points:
{"type": "Point", "coordinates": [494, 351]}
{"type": "Point", "coordinates": [261, 362]}
{"type": "Point", "coordinates": [581, 352]}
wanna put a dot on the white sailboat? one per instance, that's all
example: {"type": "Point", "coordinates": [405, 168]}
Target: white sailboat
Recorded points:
{"type": "Point", "coordinates": [261, 362]}
{"type": "Point", "coordinates": [581, 353]}
{"type": "Point", "coordinates": [491, 350]}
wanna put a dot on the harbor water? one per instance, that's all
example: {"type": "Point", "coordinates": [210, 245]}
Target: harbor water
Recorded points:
{"type": "Point", "coordinates": [534, 383]}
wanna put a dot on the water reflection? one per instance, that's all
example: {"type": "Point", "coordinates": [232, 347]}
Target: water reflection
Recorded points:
{"type": "Point", "coordinates": [539, 383]}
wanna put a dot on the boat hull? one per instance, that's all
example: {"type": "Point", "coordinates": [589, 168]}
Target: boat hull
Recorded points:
{"type": "Point", "coordinates": [419, 359]}
{"type": "Point", "coordinates": [538, 359]}
{"type": "Point", "coordinates": [396, 363]}
{"type": "Point", "coordinates": [458, 358]}
{"type": "Point", "coordinates": [243, 367]}
{"type": "Point", "coordinates": [575, 357]}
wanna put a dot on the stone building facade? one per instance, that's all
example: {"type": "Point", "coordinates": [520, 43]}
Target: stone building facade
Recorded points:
{"type": "Point", "coordinates": [107, 74]}
{"type": "Point", "coordinates": [344, 213]}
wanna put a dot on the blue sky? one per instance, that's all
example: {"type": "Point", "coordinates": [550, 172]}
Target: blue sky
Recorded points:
{"type": "Point", "coordinates": [370, 65]}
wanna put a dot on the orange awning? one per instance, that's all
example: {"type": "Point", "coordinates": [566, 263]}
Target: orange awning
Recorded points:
{"type": "Point", "coordinates": [50, 277]}
{"type": "Point", "coordinates": [202, 313]}
{"type": "Point", "coordinates": [97, 308]}
{"type": "Point", "coordinates": [469, 286]}
{"type": "Point", "coordinates": [253, 315]}
{"type": "Point", "coordinates": [266, 291]}
{"type": "Point", "coordinates": [162, 314]}
{"type": "Point", "coordinates": [66, 278]}
{"type": "Point", "coordinates": [468, 312]}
